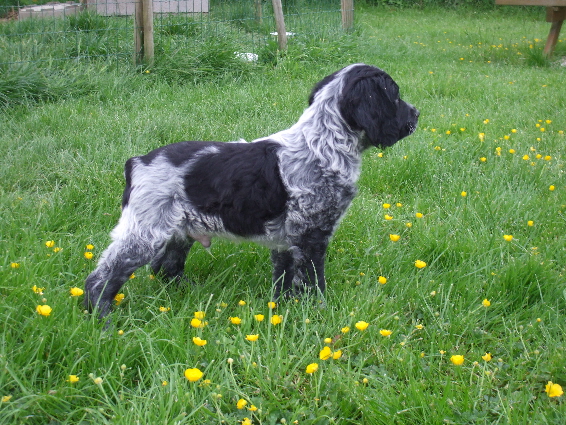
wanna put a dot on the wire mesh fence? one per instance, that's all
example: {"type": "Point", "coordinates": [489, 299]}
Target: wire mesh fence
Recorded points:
{"type": "Point", "coordinates": [103, 30]}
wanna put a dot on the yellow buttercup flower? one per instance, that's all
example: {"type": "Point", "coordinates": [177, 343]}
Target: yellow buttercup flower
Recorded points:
{"type": "Point", "coordinates": [386, 206]}
{"type": "Point", "coordinates": [553, 390]}
{"type": "Point", "coordinates": [247, 421]}
{"type": "Point", "coordinates": [241, 403]}
{"type": "Point", "coordinates": [88, 255]}
{"type": "Point", "coordinates": [464, 194]}
{"type": "Point", "coordinates": [337, 354]}
{"type": "Point", "coordinates": [486, 303]}
{"type": "Point", "coordinates": [252, 408]}
{"type": "Point", "coordinates": [508, 238]}
{"type": "Point", "coordinates": [90, 247]}
{"type": "Point", "coordinates": [199, 315]}
{"type": "Point", "coordinates": [276, 319]}
{"type": "Point", "coordinates": [164, 309]}
{"type": "Point", "coordinates": [76, 292]}
{"type": "Point", "coordinates": [361, 325]}
{"type": "Point", "coordinates": [253, 337]}
{"type": "Point", "coordinates": [457, 359]}
{"type": "Point", "coordinates": [119, 298]}
{"type": "Point", "coordinates": [235, 320]}
{"type": "Point", "coordinates": [530, 223]}
{"type": "Point", "coordinates": [193, 375]}
{"type": "Point", "coordinates": [345, 330]}
{"type": "Point", "coordinates": [419, 215]}
{"type": "Point", "coordinates": [197, 323]}
{"type": "Point", "coordinates": [325, 353]}
{"type": "Point", "coordinates": [73, 379]}
{"type": "Point", "coordinates": [259, 317]}
{"type": "Point", "coordinates": [327, 340]}
{"type": "Point", "coordinates": [394, 238]}
{"type": "Point", "coordinates": [388, 217]}
{"type": "Point", "coordinates": [44, 310]}
{"type": "Point", "coordinates": [312, 368]}
{"type": "Point", "coordinates": [198, 341]}
{"type": "Point", "coordinates": [420, 264]}
{"type": "Point", "coordinates": [37, 290]}
{"type": "Point", "coordinates": [486, 357]}
{"type": "Point", "coordinates": [382, 280]}
{"type": "Point", "coordinates": [271, 305]}
{"type": "Point", "coordinates": [551, 187]}
{"type": "Point", "coordinates": [385, 332]}
{"type": "Point", "coordinates": [241, 303]}
{"type": "Point", "coordinates": [50, 244]}
{"type": "Point", "coordinates": [15, 265]}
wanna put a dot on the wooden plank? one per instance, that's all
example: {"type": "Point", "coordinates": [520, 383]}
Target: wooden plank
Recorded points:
{"type": "Point", "coordinates": [531, 2]}
{"type": "Point", "coordinates": [552, 38]}
{"type": "Point", "coordinates": [555, 14]}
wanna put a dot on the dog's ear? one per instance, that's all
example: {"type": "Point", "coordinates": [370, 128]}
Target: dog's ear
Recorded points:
{"type": "Point", "coordinates": [369, 102]}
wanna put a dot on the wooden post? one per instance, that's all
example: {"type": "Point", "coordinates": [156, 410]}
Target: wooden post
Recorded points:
{"type": "Point", "coordinates": [280, 24]}
{"type": "Point", "coordinates": [148, 32]}
{"type": "Point", "coordinates": [554, 15]}
{"type": "Point", "coordinates": [258, 11]}
{"type": "Point", "coordinates": [347, 14]}
{"type": "Point", "coordinates": [138, 32]}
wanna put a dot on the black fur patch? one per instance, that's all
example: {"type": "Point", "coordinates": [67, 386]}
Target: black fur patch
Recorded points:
{"type": "Point", "coordinates": [128, 187]}
{"type": "Point", "coordinates": [240, 184]}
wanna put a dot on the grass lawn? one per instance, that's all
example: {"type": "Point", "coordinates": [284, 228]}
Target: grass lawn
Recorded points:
{"type": "Point", "coordinates": [478, 193]}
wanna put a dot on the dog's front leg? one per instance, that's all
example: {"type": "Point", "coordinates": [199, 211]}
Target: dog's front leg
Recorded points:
{"type": "Point", "coordinates": [283, 273]}
{"type": "Point", "coordinates": [309, 255]}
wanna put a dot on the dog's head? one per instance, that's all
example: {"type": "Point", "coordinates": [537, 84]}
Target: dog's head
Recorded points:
{"type": "Point", "coordinates": [369, 101]}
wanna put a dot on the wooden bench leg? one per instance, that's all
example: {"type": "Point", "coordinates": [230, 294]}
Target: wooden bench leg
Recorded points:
{"type": "Point", "coordinates": [554, 15]}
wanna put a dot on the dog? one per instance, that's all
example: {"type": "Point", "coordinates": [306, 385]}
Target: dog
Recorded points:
{"type": "Point", "coordinates": [287, 191]}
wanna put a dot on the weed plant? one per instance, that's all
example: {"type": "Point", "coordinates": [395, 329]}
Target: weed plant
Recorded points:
{"type": "Point", "coordinates": [446, 297]}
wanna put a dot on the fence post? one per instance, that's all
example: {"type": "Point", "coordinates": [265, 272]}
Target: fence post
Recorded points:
{"type": "Point", "coordinates": [143, 32]}
{"type": "Point", "coordinates": [280, 24]}
{"type": "Point", "coordinates": [258, 11]}
{"type": "Point", "coordinates": [347, 14]}
{"type": "Point", "coordinates": [138, 32]}
{"type": "Point", "coordinates": [148, 32]}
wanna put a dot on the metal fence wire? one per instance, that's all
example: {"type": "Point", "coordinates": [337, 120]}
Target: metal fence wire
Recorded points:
{"type": "Point", "coordinates": [103, 30]}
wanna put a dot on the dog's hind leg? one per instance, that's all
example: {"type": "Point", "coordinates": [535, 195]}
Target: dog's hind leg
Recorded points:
{"type": "Point", "coordinates": [283, 273]}
{"type": "Point", "coordinates": [116, 265]}
{"type": "Point", "coordinates": [170, 260]}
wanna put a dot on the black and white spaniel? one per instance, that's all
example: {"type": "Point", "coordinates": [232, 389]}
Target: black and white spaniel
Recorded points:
{"type": "Point", "coordinates": [287, 191]}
